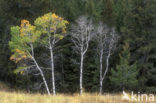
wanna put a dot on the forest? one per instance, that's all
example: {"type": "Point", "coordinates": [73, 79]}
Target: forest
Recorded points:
{"type": "Point", "coordinates": [76, 46]}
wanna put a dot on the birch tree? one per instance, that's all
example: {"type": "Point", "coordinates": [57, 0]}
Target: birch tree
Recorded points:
{"type": "Point", "coordinates": [106, 40]}
{"type": "Point", "coordinates": [23, 40]}
{"type": "Point", "coordinates": [53, 29]}
{"type": "Point", "coordinates": [81, 35]}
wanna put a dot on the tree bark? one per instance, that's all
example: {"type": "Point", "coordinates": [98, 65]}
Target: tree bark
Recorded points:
{"type": "Point", "coordinates": [101, 68]}
{"type": "Point", "coordinates": [102, 76]}
{"type": "Point", "coordinates": [44, 80]}
{"type": "Point", "coordinates": [81, 73]}
{"type": "Point", "coordinates": [107, 65]}
{"type": "Point", "coordinates": [101, 84]}
{"type": "Point", "coordinates": [43, 77]}
{"type": "Point", "coordinates": [52, 67]}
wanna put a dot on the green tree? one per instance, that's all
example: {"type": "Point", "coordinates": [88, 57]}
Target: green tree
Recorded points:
{"type": "Point", "coordinates": [124, 76]}
{"type": "Point", "coordinates": [139, 29]}
{"type": "Point", "coordinates": [52, 28]}
{"type": "Point", "coordinates": [22, 45]}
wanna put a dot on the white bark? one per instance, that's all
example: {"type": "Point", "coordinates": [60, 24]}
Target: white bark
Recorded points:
{"type": "Point", "coordinates": [107, 65]}
{"type": "Point", "coordinates": [52, 40]}
{"type": "Point", "coordinates": [44, 80]}
{"type": "Point", "coordinates": [52, 68]}
{"type": "Point", "coordinates": [81, 35]}
{"type": "Point", "coordinates": [101, 67]}
{"type": "Point", "coordinates": [106, 43]}
{"type": "Point", "coordinates": [40, 70]}
{"type": "Point", "coordinates": [81, 73]}
{"type": "Point", "coordinates": [102, 76]}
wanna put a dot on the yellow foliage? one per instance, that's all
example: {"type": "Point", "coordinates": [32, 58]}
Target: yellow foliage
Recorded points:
{"type": "Point", "coordinates": [18, 59]}
{"type": "Point", "coordinates": [24, 23]}
{"type": "Point", "coordinates": [61, 37]}
{"type": "Point", "coordinates": [20, 52]}
{"type": "Point", "coordinates": [21, 72]}
{"type": "Point", "coordinates": [17, 50]}
{"type": "Point", "coordinates": [19, 55]}
{"type": "Point", "coordinates": [63, 30]}
{"type": "Point", "coordinates": [24, 56]}
{"type": "Point", "coordinates": [26, 28]}
{"type": "Point", "coordinates": [51, 21]}
{"type": "Point", "coordinates": [54, 16]}
{"type": "Point", "coordinates": [12, 57]}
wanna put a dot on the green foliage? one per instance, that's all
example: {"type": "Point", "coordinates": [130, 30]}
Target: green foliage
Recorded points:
{"type": "Point", "coordinates": [138, 28]}
{"type": "Point", "coordinates": [22, 39]}
{"type": "Point", "coordinates": [51, 24]}
{"type": "Point", "coordinates": [134, 20]}
{"type": "Point", "coordinates": [125, 74]}
{"type": "Point", "coordinates": [19, 70]}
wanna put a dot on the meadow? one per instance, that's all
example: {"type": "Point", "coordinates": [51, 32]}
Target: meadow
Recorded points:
{"type": "Point", "coordinates": [8, 95]}
{"type": "Point", "coordinates": [18, 97]}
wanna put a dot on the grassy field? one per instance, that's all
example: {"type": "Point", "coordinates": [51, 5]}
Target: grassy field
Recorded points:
{"type": "Point", "coordinates": [7, 96]}
{"type": "Point", "coordinates": [14, 97]}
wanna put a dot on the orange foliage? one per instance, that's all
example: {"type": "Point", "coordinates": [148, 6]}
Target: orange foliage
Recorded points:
{"type": "Point", "coordinates": [26, 28]}
{"type": "Point", "coordinates": [19, 56]}
{"type": "Point", "coordinates": [24, 23]}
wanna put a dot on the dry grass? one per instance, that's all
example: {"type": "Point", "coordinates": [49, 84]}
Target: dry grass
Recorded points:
{"type": "Point", "coordinates": [14, 97]}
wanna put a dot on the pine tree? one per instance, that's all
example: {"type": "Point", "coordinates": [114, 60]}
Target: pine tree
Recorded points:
{"type": "Point", "coordinates": [125, 74]}
{"type": "Point", "coordinates": [138, 29]}
{"type": "Point", "coordinates": [149, 49]}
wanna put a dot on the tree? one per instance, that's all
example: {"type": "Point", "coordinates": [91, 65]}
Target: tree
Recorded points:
{"type": "Point", "coordinates": [106, 40]}
{"type": "Point", "coordinates": [139, 27]}
{"type": "Point", "coordinates": [125, 74]}
{"type": "Point", "coordinates": [22, 45]}
{"type": "Point", "coordinates": [52, 28]}
{"type": "Point", "coordinates": [81, 35]}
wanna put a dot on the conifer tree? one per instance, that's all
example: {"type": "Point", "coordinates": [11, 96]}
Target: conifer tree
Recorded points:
{"type": "Point", "coordinates": [124, 76]}
{"type": "Point", "coordinates": [138, 29]}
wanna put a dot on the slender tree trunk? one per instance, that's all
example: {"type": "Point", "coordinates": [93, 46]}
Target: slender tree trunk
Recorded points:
{"type": "Point", "coordinates": [101, 84]}
{"type": "Point", "coordinates": [52, 67]}
{"type": "Point", "coordinates": [107, 65]}
{"type": "Point", "coordinates": [102, 76]}
{"type": "Point", "coordinates": [101, 67]}
{"type": "Point", "coordinates": [44, 80]}
{"type": "Point", "coordinates": [81, 73]}
{"type": "Point", "coordinates": [43, 77]}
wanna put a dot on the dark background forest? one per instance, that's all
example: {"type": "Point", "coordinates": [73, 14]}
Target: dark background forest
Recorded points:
{"type": "Point", "coordinates": [135, 23]}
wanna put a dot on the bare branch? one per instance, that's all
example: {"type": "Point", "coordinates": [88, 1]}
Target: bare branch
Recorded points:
{"type": "Point", "coordinates": [106, 38]}
{"type": "Point", "coordinates": [81, 35]}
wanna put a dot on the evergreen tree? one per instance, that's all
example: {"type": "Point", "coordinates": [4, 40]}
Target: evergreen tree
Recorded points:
{"type": "Point", "coordinates": [125, 74]}
{"type": "Point", "coordinates": [138, 29]}
{"type": "Point", "coordinates": [134, 21]}
{"type": "Point", "coordinates": [148, 50]}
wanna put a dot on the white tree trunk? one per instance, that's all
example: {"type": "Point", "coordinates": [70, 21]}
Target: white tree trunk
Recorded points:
{"type": "Point", "coordinates": [101, 84]}
{"type": "Point", "coordinates": [43, 77]}
{"type": "Point", "coordinates": [107, 65]}
{"type": "Point", "coordinates": [81, 73]}
{"type": "Point", "coordinates": [103, 37]}
{"type": "Point", "coordinates": [102, 76]}
{"type": "Point", "coordinates": [81, 34]}
{"type": "Point", "coordinates": [101, 69]}
{"type": "Point", "coordinates": [44, 80]}
{"type": "Point", "coordinates": [52, 67]}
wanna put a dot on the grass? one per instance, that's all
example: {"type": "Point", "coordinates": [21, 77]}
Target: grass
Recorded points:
{"type": "Point", "coordinates": [8, 96]}
{"type": "Point", "coordinates": [15, 97]}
